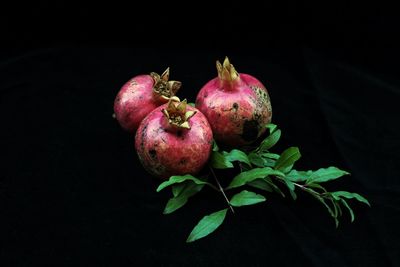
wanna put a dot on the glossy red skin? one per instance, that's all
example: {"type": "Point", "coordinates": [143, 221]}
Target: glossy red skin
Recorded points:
{"type": "Point", "coordinates": [236, 112]}
{"type": "Point", "coordinates": [134, 101]}
{"type": "Point", "coordinates": [166, 151]}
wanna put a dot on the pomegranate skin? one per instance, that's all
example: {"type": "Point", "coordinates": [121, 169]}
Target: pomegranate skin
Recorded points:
{"type": "Point", "coordinates": [166, 151]}
{"type": "Point", "coordinates": [140, 95]}
{"type": "Point", "coordinates": [134, 101]}
{"type": "Point", "coordinates": [237, 107]}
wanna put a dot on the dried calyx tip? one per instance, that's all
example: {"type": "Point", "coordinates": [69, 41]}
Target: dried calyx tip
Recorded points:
{"type": "Point", "coordinates": [163, 86]}
{"type": "Point", "coordinates": [226, 71]}
{"type": "Point", "coordinates": [176, 113]}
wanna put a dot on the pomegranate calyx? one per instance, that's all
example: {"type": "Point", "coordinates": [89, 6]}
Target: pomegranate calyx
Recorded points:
{"type": "Point", "coordinates": [176, 113]}
{"type": "Point", "coordinates": [226, 71]}
{"type": "Point", "coordinates": [166, 89]}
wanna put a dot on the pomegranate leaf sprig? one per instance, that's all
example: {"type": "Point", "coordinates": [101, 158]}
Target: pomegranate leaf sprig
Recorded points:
{"type": "Point", "coordinates": [263, 171]}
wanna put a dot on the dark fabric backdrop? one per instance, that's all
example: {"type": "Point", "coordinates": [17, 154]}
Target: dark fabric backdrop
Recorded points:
{"type": "Point", "coordinates": [72, 191]}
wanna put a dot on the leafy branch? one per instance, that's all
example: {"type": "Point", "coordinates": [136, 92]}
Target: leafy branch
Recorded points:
{"type": "Point", "coordinates": [264, 171]}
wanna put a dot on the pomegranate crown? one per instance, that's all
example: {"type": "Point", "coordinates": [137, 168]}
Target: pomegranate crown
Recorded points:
{"type": "Point", "coordinates": [226, 71]}
{"type": "Point", "coordinates": [176, 113]}
{"type": "Point", "coordinates": [166, 89]}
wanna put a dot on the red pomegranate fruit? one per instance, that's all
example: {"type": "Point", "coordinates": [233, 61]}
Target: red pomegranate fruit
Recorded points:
{"type": "Point", "coordinates": [237, 106]}
{"type": "Point", "coordinates": [140, 95]}
{"type": "Point", "coordinates": [174, 139]}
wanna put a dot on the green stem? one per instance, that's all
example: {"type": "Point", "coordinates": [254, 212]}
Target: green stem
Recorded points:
{"type": "Point", "coordinates": [221, 189]}
{"type": "Point", "coordinates": [306, 189]}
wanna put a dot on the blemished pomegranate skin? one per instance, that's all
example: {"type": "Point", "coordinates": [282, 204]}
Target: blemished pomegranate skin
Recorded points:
{"type": "Point", "coordinates": [140, 95]}
{"type": "Point", "coordinates": [173, 146]}
{"type": "Point", "coordinates": [236, 105]}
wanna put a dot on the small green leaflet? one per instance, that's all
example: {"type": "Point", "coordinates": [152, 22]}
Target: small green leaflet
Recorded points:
{"type": "Point", "coordinates": [271, 127]}
{"type": "Point", "coordinates": [259, 161]}
{"type": "Point", "coordinates": [298, 176]}
{"type": "Point", "coordinates": [287, 159]}
{"type": "Point", "coordinates": [179, 179]}
{"type": "Point", "coordinates": [270, 141]}
{"type": "Point", "coordinates": [177, 189]}
{"type": "Point", "coordinates": [338, 194]}
{"type": "Point", "coordinates": [251, 175]}
{"type": "Point", "coordinates": [325, 174]}
{"type": "Point", "coordinates": [290, 185]}
{"type": "Point", "coordinates": [215, 146]}
{"type": "Point", "coordinates": [349, 209]}
{"type": "Point", "coordinates": [256, 159]}
{"type": "Point", "coordinates": [192, 104]}
{"type": "Point", "coordinates": [293, 194]}
{"type": "Point", "coordinates": [274, 186]}
{"type": "Point", "coordinates": [219, 161]}
{"type": "Point", "coordinates": [331, 212]}
{"type": "Point", "coordinates": [207, 225]}
{"type": "Point", "coordinates": [180, 200]}
{"type": "Point", "coordinates": [317, 186]}
{"type": "Point", "coordinates": [174, 203]}
{"type": "Point", "coordinates": [261, 184]}
{"type": "Point", "coordinates": [246, 198]}
{"type": "Point", "coordinates": [237, 155]}
{"type": "Point", "coordinates": [270, 155]}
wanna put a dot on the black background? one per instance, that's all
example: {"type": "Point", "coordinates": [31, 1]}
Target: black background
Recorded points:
{"type": "Point", "coordinates": [72, 191]}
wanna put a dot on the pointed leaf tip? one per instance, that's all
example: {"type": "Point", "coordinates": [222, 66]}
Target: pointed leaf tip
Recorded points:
{"type": "Point", "coordinates": [245, 198]}
{"type": "Point", "coordinates": [207, 225]}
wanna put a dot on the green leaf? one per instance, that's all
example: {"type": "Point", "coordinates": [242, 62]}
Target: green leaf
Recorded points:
{"type": "Point", "coordinates": [270, 141]}
{"type": "Point", "coordinates": [261, 184]}
{"type": "Point", "coordinates": [317, 186]}
{"type": "Point", "coordinates": [180, 200]}
{"type": "Point", "coordinates": [207, 225]}
{"type": "Point", "coordinates": [298, 176]}
{"type": "Point", "coordinates": [176, 179]}
{"type": "Point", "coordinates": [177, 189]}
{"type": "Point", "coordinates": [175, 203]}
{"type": "Point", "coordinates": [219, 161]}
{"type": "Point", "coordinates": [215, 146]}
{"type": "Point", "coordinates": [290, 185]}
{"type": "Point", "coordinates": [287, 159]}
{"type": "Point", "coordinates": [252, 175]}
{"type": "Point", "coordinates": [270, 155]}
{"type": "Point", "coordinates": [335, 211]}
{"type": "Point", "coordinates": [257, 160]}
{"type": "Point", "coordinates": [325, 174]}
{"type": "Point", "coordinates": [246, 198]}
{"type": "Point", "coordinates": [237, 155]}
{"type": "Point", "coordinates": [338, 207]}
{"type": "Point", "coordinates": [331, 212]}
{"type": "Point", "coordinates": [293, 194]}
{"type": "Point", "coordinates": [192, 104]}
{"type": "Point", "coordinates": [337, 195]}
{"type": "Point", "coordinates": [274, 186]}
{"type": "Point", "coordinates": [349, 209]}
{"type": "Point", "coordinates": [271, 127]}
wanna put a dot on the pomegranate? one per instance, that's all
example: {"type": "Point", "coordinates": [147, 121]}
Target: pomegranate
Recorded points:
{"type": "Point", "coordinates": [174, 139]}
{"type": "Point", "coordinates": [237, 106]}
{"type": "Point", "coordinates": [140, 95]}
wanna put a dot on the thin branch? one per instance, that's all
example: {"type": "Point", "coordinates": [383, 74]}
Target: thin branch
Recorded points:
{"type": "Point", "coordinates": [221, 189]}
{"type": "Point", "coordinates": [305, 188]}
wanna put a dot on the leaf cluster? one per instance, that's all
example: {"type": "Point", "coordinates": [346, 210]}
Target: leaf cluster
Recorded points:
{"type": "Point", "coordinates": [263, 171]}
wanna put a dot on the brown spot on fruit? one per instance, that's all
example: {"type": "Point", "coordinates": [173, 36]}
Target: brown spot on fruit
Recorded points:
{"type": "Point", "coordinates": [235, 106]}
{"type": "Point", "coordinates": [153, 153]}
{"type": "Point", "coordinates": [182, 161]}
